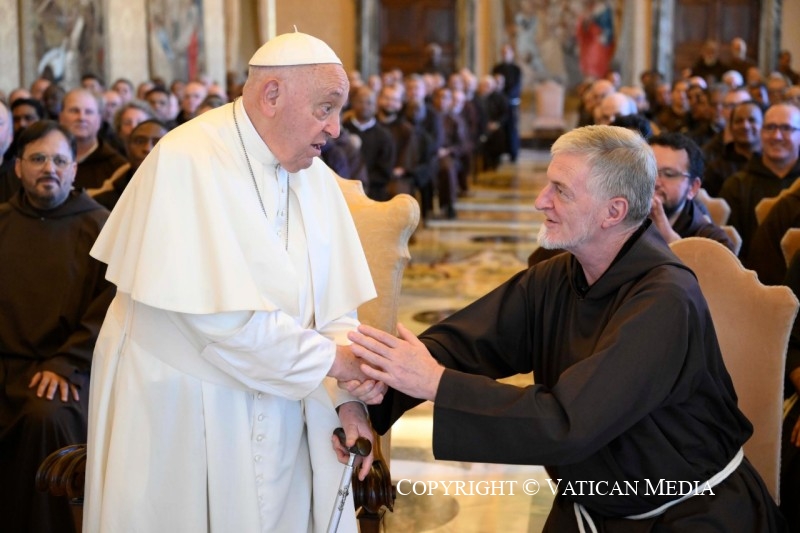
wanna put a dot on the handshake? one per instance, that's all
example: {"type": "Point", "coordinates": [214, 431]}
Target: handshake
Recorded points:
{"type": "Point", "coordinates": [377, 360]}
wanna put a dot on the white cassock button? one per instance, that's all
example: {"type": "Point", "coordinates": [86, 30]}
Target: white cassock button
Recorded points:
{"type": "Point", "coordinates": [259, 395]}
{"type": "Point", "coordinates": [257, 458]}
{"type": "Point", "coordinates": [260, 438]}
{"type": "Point", "coordinates": [260, 418]}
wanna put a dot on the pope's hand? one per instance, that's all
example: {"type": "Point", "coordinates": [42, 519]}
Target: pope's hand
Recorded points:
{"type": "Point", "coordinates": [355, 424]}
{"type": "Point", "coordinates": [370, 392]}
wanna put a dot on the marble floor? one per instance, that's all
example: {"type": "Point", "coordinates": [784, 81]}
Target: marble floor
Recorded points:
{"type": "Point", "coordinates": [453, 262]}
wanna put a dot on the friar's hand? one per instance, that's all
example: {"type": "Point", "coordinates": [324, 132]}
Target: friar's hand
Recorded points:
{"type": "Point", "coordinates": [355, 424]}
{"type": "Point", "coordinates": [370, 392]}
{"type": "Point", "coordinates": [48, 383]}
{"type": "Point", "coordinates": [403, 363]}
{"type": "Point", "coordinates": [661, 220]}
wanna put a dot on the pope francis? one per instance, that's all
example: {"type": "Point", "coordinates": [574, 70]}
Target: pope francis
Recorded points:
{"type": "Point", "coordinates": [238, 272]}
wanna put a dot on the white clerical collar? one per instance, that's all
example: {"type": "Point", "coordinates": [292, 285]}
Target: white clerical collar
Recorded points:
{"type": "Point", "coordinates": [363, 126]}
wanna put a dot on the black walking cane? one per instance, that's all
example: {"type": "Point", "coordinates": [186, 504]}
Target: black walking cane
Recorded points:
{"type": "Point", "coordinates": [362, 447]}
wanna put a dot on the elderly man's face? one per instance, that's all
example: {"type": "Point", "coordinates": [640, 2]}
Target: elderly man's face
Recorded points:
{"type": "Point", "coordinates": [572, 212]}
{"type": "Point", "coordinates": [47, 170]}
{"type": "Point", "coordinates": [81, 115]}
{"type": "Point", "coordinates": [307, 114]}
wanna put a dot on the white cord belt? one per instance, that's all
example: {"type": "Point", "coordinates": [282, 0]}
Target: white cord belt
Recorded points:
{"type": "Point", "coordinates": [583, 516]}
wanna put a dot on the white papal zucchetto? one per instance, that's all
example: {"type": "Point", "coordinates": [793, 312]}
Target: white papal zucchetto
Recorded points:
{"type": "Point", "coordinates": [292, 49]}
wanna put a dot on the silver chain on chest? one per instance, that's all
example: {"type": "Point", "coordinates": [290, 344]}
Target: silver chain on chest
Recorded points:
{"type": "Point", "coordinates": [255, 183]}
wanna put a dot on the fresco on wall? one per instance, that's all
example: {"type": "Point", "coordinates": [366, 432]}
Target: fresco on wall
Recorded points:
{"type": "Point", "coordinates": [64, 39]}
{"type": "Point", "coordinates": [176, 39]}
{"type": "Point", "coordinates": [564, 40]}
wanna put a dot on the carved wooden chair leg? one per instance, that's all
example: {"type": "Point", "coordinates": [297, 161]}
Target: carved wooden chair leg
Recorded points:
{"type": "Point", "coordinates": [63, 473]}
{"type": "Point", "coordinates": [375, 494]}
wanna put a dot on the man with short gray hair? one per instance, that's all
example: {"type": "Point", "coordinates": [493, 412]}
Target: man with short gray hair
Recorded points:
{"type": "Point", "coordinates": [630, 386]}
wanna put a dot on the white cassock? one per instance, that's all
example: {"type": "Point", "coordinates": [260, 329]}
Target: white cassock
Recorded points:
{"type": "Point", "coordinates": [209, 406]}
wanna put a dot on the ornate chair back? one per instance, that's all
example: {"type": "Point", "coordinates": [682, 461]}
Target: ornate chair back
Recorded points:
{"type": "Point", "coordinates": [753, 323]}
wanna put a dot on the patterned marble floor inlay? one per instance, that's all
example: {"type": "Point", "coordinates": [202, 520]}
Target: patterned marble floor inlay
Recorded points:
{"type": "Point", "coordinates": [454, 262]}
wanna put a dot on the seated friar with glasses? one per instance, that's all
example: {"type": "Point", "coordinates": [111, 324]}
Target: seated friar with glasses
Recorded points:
{"type": "Point", "coordinates": [55, 297]}
{"type": "Point", "coordinates": [766, 174]}
{"type": "Point", "coordinates": [673, 210]}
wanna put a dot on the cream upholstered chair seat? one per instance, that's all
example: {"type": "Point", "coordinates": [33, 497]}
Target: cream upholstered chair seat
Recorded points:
{"type": "Point", "coordinates": [734, 236]}
{"type": "Point", "coordinates": [753, 323]}
{"type": "Point", "coordinates": [384, 229]}
{"type": "Point", "coordinates": [764, 206]}
{"type": "Point", "coordinates": [718, 208]}
{"type": "Point", "coordinates": [790, 244]}
{"type": "Point", "coordinates": [548, 122]}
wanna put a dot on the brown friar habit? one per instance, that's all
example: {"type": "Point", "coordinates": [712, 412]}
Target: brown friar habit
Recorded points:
{"type": "Point", "coordinates": [53, 298]}
{"type": "Point", "coordinates": [630, 386]}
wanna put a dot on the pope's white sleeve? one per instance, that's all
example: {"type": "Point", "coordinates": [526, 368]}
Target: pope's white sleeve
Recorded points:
{"type": "Point", "coordinates": [267, 351]}
{"type": "Point", "coordinates": [337, 331]}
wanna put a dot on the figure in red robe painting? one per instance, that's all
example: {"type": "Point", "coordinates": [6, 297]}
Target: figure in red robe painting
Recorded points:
{"type": "Point", "coordinates": [595, 36]}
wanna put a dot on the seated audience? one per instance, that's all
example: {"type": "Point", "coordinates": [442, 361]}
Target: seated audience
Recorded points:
{"type": "Point", "coordinates": [51, 317]}
{"type": "Point", "coordinates": [389, 115]}
{"type": "Point", "coordinates": [377, 145]}
{"type": "Point", "coordinates": [765, 174]}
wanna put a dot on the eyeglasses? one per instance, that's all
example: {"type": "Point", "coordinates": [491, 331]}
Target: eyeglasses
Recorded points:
{"type": "Point", "coordinates": [671, 174]}
{"type": "Point", "coordinates": [785, 129]}
{"type": "Point", "coordinates": [40, 160]}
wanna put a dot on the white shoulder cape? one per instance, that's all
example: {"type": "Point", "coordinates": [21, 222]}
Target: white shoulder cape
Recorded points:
{"type": "Point", "coordinates": [188, 233]}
